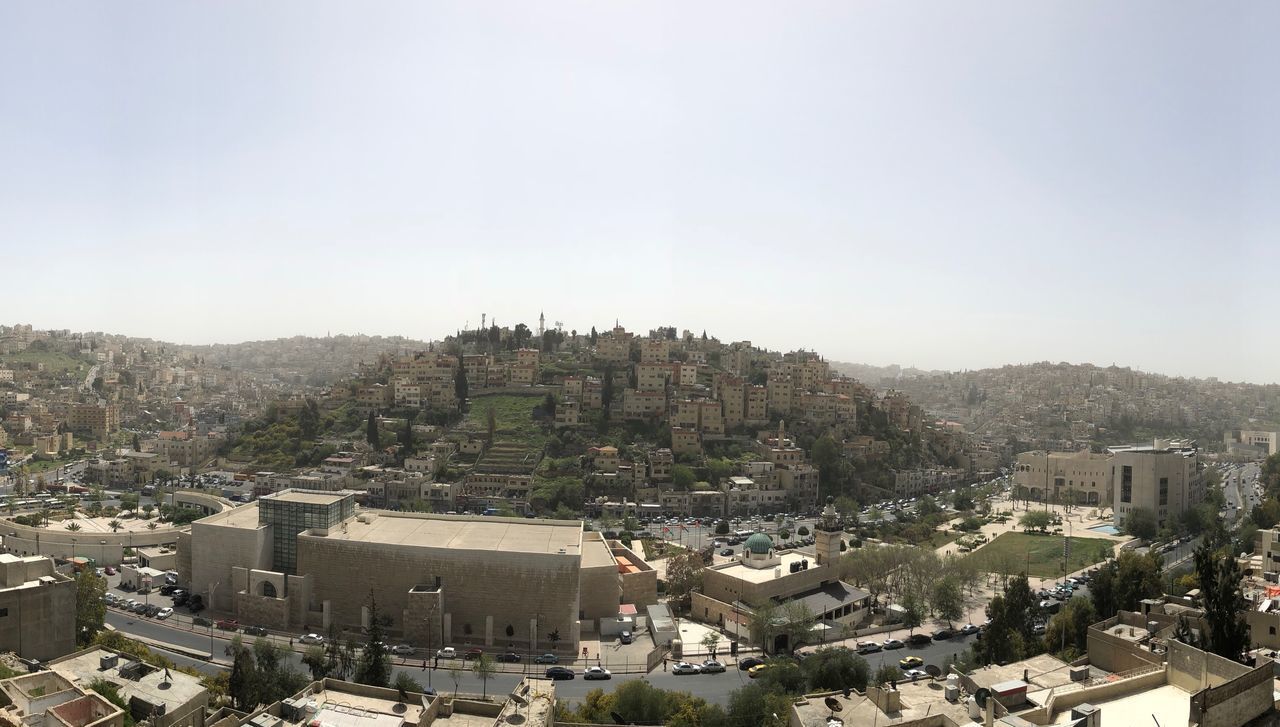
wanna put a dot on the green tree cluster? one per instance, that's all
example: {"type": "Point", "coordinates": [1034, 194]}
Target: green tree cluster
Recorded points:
{"type": "Point", "coordinates": [1123, 583]}
{"type": "Point", "coordinates": [261, 674]}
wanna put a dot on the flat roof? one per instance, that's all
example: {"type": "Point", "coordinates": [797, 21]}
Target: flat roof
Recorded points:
{"type": "Point", "coordinates": [596, 554]}
{"type": "Point", "coordinates": [85, 667]}
{"type": "Point", "coordinates": [920, 699]}
{"type": "Point", "coordinates": [310, 498]}
{"type": "Point", "coordinates": [764, 575]}
{"type": "Point", "coordinates": [514, 535]}
{"type": "Point", "coordinates": [1166, 704]}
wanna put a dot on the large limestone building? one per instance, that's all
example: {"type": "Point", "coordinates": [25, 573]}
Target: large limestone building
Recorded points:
{"type": "Point", "coordinates": [305, 560]}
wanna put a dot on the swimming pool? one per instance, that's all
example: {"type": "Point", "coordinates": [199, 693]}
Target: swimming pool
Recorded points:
{"type": "Point", "coordinates": [1108, 529]}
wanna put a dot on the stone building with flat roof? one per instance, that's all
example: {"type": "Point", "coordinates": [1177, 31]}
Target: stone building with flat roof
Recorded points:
{"type": "Point", "coordinates": [308, 560]}
{"type": "Point", "coordinates": [37, 608]}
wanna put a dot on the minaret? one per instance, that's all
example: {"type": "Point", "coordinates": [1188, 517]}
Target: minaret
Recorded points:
{"type": "Point", "coordinates": [782, 432]}
{"type": "Point", "coordinates": [827, 534]}
{"type": "Point", "coordinates": [542, 323]}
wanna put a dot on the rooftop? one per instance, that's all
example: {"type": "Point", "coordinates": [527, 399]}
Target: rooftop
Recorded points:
{"type": "Point", "coordinates": [1165, 704]}
{"type": "Point", "coordinates": [919, 700]}
{"type": "Point", "coordinates": [151, 684]}
{"type": "Point", "coordinates": [309, 498]}
{"type": "Point", "coordinates": [513, 535]}
{"type": "Point", "coordinates": [764, 575]}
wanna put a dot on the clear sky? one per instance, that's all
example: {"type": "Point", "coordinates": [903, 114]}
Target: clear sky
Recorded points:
{"type": "Point", "coordinates": [941, 184]}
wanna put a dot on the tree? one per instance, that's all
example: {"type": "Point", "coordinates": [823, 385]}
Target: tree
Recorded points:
{"type": "Point", "coordinates": [1068, 631]}
{"type": "Point", "coordinates": [887, 673]}
{"type": "Point", "coordinates": [491, 424]}
{"type": "Point", "coordinates": [374, 667]}
{"type": "Point", "coordinates": [606, 389]}
{"type": "Point", "coordinates": [1228, 634]}
{"type": "Point", "coordinates": [755, 705]}
{"type": "Point", "coordinates": [73, 526]}
{"type": "Point", "coordinates": [1141, 523]}
{"type": "Point", "coordinates": [784, 534]}
{"type": "Point", "coordinates": [912, 612]}
{"type": "Point", "coordinates": [682, 476]}
{"type": "Point", "coordinates": [115, 525]}
{"type": "Point", "coordinates": [1010, 635]}
{"type": "Point", "coordinates": [371, 434]}
{"type": "Point", "coordinates": [783, 677]}
{"type": "Point", "coordinates": [722, 527]}
{"type": "Point", "coordinates": [317, 661]}
{"type": "Point", "coordinates": [947, 600]}
{"type": "Point", "coordinates": [803, 531]}
{"type": "Point", "coordinates": [406, 435]}
{"type": "Point", "coordinates": [460, 385]}
{"type": "Point", "coordinates": [406, 683]}
{"type": "Point", "coordinates": [137, 443]}
{"type": "Point", "coordinates": [595, 337]}
{"type": "Point", "coordinates": [484, 668]}
{"type": "Point", "coordinates": [829, 669]}
{"type": "Point", "coordinates": [549, 406]}
{"type": "Point", "coordinates": [243, 683]}
{"type": "Point", "coordinates": [1123, 583]}
{"type": "Point", "coordinates": [147, 509]}
{"type": "Point", "coordinates": [1036, 520]}
{"type": "Point", "coordinates": [684, 575]}
{"type": "Point", "coordinates": [709, 642]}
{"type": "Point", "coordinates": [90, 609]}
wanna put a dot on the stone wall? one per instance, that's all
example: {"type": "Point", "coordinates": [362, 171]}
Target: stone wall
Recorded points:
{"type": "Point", "coordinates": [1113, 653]}
{"type": "Point", "coordinates": [216, 549]}
{"type": "Point", "coordinates": [484, 589]}
{"type": "Point", "coordinates": [1236, 702]}
{"type": "Point", "coordinates": [601, 590]}
{"type": "Point", "coordinates": [41, 620]}
{"type": "Point", "coordinates": [105, 548]}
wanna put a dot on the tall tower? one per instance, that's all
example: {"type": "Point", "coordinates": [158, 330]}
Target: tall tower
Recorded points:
{"type": "Point", "coordinates": [542, 323]}
{"type": "Point", "coordinates": [827, 534]}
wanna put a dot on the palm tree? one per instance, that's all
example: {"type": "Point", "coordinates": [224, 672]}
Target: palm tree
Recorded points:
{"type": "Point", "coordinates": [114, 525]}
{"type": "Point", "coordinates": [73, 527]}
{"type": "Point", "coordinates": [44, 516]}
{"type": "Point", "coordinates": [152, 526]}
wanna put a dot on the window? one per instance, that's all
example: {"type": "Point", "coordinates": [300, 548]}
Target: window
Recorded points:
{"type": "Point", "coordinates": [1164, 491]}
{"type": "Point", "coordinates": [4, 612]}
{"type": "Point", "coordinates": [1126, 483]}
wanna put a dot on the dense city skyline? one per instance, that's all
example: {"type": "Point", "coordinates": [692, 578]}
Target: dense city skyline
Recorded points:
{"type": "Point", "coordinates": [883, 182]}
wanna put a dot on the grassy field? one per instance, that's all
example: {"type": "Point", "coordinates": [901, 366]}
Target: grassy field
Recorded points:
{"type": "Point", "coordinates": [1041, 555]}
{"type": "Point", "coordinates": [53, 361]}
{"type": "Point", "coordinates": [513, 416]}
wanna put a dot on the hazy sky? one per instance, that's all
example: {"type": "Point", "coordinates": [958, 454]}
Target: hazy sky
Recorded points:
{"type": "Point", "coordinates": [944, 184]}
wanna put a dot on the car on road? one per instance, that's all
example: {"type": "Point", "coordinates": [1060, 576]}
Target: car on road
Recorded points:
{"type": "Point", "coordinates": [255, 630]}
{"type": "Point", "coordinates": [447, 652]}
{"type": "Point", "coordinates": [311, 639]}
{"type": "Point", "coordinates": [164, 613]}
{"type": "Point", "coordinates": [868, 647]}
{"type": "Point", "coordinates": [910, 662]}
{"type": "Point", "coordinates": [402, 650]}
{"type": "Point", "coordinates": [757, 670]}
{"type": "Point", "coordinates": [109, 570]}
{"type": "Point", "coordinates": [943, 634]}
{"type": "Point", "coordinates": [749, 662]}
{"type": "Point", "coordinates": [918, 639]}
{"type": "Point", "coordinates": [969, 629]}
{"type": "Point", "coordinates": [546, 659]}
{"type": "Point", "coordinates": [597, 672]}
{"type": "Point", "coordinates": [168, 589]}
{"type": "Point", "coordinates": [473, 653]}
{"type": "Point", "coordinates": [684, 667]}
{"type": "Point", "coordinates": [711, 666]}
{"type": "Point", "coordinates": [227, 624]}
{"type": "Point", "coordinates": [559, 672]}
{"type": "Point", "coordinates": [510, 657]}
{"type": "Point", "coordinates": [727, 552]}
{"type": "Point", "coordinates": [891, 644]}
{"type": "Point", "coordinates": [914, 674]}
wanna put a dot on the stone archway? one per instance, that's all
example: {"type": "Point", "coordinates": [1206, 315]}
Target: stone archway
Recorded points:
{"type": "Point", "coordinates": [269, 590]}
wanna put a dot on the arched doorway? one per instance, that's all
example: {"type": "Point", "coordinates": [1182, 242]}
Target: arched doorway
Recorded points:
{"type": "Point", "coordinates": [781, 644]}
{"type": "Point", "coordinates": [268, 589]}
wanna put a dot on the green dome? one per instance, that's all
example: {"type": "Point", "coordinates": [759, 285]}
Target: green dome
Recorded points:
{"type": "Point", "coordinates": [759, 543]}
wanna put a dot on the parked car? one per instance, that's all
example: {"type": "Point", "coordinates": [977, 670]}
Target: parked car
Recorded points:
{"type": "Point", "coordinates": [402, 650]}
{"type": "Point", "coordinates": [711, 666]}
{"type": "Point", "coordinates": [914, 674]}
{"type": "Point", "coordinates": [227, 624]}
{"type": "Point", "coordinates": [749, 662]}
{"type": "Point", "coordinates": [195, 604]}
{"type": "Point", "coordinates": [447, 652]}
{"type": "Point", "coordinates": [597, 672]}
{"type": "Point", "coordinates": [558, 673]}
{"type": "Point", "coordinates": [473, 653]}
{"type": "Point", "coordinates": [311, 639]}
{"type": "Point", "coordinates": [255, 630]}
{"type": "Point", "coordinates": [890, 644]}
{"type": "Point", "coordinates": [943, 634]}
{"type": "Point", "coordinates": [727, 552]}
{"type": "Point", "coordinates": [164, 613]}
{"type": "Point", "coordinates": [626, 637]}
{"type": "Point", "coordinates": [684, 667]}
{"type": "Point", "coordinates": [510, 657]}
{"type": "Point", "coordinates": [868, 647]}
{"type": "Point", "coordinates": [910, 662]}
{"type": "Point", "coordinates": [180, 597]}
{"type": "Point", "coordinates": [969, 629]}
{"type": "Point", "coordinates": [109, 570]}
{"type": "Point", "coordinates": [546, 659]}
{"type": "Point", "coordinates": [918, 639]}
{"type": "Point", "coordinates": [168, 589]}
{"type": "Point", "coordinates": [757, 670]}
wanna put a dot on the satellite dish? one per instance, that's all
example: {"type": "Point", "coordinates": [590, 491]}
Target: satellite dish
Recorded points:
{"type": "Point", "coordinates": [833, 704]}
{"type": "Point", "coordinates": [519, 700]}
{"type": "Point", "coordinates": [981, 696]}
{"type": "Point", "coordinates": [617, 718]}
{"type": "Point", "coordinates": [933, 670]}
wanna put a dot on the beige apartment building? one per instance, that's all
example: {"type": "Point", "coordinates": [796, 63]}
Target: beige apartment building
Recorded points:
{"type": "Point", "coordinates": [98, 420]}
{"type": "Point", "coordinates": [1082, 478]}
{"type": "Point", "coordinates": [1165, 477]}
{"type": "Point", "coordinates": [37, 608]}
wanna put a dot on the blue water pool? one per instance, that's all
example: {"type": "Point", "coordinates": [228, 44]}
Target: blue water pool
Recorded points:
{"type": "Point", "coordinates": [1108, 529]}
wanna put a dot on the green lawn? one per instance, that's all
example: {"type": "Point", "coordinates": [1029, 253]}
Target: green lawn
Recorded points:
{"type": "Point", "coordinates": [1041, 555]}
{"type": "Point", "coordinates": [53, 361]}
{"type": "Point", "coordinates": [513, 416]}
